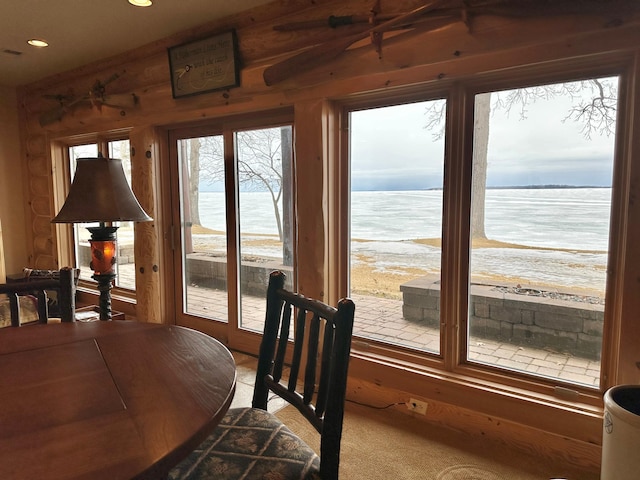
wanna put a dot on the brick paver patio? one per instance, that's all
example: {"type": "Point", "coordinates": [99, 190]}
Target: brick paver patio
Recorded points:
{"type": "Point", "coordinates": [381, 319]}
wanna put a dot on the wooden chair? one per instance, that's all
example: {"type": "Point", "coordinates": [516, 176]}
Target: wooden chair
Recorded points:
{"type": "Point", "coordinates": [251, 443]}
{"type": "Point", "coordinates": [63, 283]}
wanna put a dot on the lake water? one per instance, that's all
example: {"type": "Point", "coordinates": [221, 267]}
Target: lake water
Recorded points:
{"type": "Point", "coordinates": [569, 219]}
{"type": "Point", "coordinates": [534, 217]}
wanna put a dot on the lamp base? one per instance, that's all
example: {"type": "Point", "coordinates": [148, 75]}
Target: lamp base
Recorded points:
{"type": "Point", "coordinates": [103, 259]}
{"type": "Point", "coordinates": [104, 287]}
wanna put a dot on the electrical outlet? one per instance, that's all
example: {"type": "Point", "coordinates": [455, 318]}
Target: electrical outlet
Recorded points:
{"type": "Point", "coordinates": [417, 406]}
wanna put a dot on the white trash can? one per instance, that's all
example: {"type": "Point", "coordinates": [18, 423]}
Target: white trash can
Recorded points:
{"type": "Point", "coordinates": [621, 434]}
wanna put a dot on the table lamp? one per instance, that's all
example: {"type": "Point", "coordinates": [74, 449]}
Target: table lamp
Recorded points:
{"type": "Point", "coordinates": [100, 193]}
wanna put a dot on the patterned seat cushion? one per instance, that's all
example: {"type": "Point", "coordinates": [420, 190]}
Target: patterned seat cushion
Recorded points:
{"type": "Point", "coordinates": [251, 444]}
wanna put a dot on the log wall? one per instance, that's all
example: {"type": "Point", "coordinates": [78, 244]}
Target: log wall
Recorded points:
{"type": "Point", "coordinates": [410, 58]}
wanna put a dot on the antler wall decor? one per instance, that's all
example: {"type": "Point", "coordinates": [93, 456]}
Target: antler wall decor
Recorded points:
{"type": "Point", "coordinates": [95, 97]}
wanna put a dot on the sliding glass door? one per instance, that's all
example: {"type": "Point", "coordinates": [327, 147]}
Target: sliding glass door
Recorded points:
{"type": "Point", "coordinates": [234, 225]}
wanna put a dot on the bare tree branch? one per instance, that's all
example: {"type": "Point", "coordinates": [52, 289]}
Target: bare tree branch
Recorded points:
{"type": "Point", "coordinates": [595, 112]}
{"type": "Point", "coordinates": [597, 116]}
{"type": "Point", "coordinates": [259, 163]}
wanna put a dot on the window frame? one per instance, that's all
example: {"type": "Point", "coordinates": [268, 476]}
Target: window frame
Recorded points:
{"type": "Point", "coordinates": [230, 331]}
{"type": "Point", "coordinates": [453, 367]}
{"type": "Point", "coordinates": [61, 180]}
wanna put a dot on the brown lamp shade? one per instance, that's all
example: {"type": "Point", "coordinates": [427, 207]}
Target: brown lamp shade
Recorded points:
{"type": "Point", "coordinates": [100, 193]}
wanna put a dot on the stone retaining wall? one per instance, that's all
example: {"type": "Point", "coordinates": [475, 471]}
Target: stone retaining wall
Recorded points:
{"type": "Point", "coordinates": [210, 271]}
{"type": "Point", "coordinates": [566, 326]}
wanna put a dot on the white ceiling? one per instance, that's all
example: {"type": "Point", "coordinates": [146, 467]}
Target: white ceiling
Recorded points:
{"type": "Point", "coordinates": [83, 31]}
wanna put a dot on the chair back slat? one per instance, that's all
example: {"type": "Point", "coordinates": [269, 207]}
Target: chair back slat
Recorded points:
{"type": "Point", "coordinates": [325, 368]}
{"type": "Point", "coordinates": [67, 294]}
{"type": "Point", "coordinates": [14, 308]}
{"type": "Point", "coordinates": [283, 340]}
{"type": "Point", "coordinates": [43, 307]}
{"type": "Point", "coordinates": [312, 359]}
{"type": "Point", "coordinates": [298, 343]}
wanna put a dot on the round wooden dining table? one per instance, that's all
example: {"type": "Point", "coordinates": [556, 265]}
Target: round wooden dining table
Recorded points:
{"type": "Point", "coordinates": [107, 400]}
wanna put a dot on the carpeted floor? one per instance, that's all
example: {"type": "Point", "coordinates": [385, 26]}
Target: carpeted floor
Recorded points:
{"type": "Point", "coordinates": [387, 445]}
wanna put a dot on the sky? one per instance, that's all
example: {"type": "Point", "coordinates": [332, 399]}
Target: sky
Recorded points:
{"type": "Point", "coordinates": [392, 149]}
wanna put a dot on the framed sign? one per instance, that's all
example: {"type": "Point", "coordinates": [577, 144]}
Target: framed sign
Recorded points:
{"type": "Point", "coordinates": [204, 65]}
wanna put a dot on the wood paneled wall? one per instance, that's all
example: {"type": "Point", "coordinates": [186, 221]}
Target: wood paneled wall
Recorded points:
{"type": "Point", "coordinates": [409, 58]}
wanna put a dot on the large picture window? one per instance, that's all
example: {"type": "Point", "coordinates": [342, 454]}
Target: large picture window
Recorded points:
{"type": "Point", "coordinates": [541, 202]}
{"type": "Point", "coordinates": [396, 223]}
{"type": "Point", "coordinates": [532, 193]}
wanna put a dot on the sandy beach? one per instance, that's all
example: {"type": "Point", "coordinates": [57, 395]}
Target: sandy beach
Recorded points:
{"type": "Point", "coordinates": [379, 268]}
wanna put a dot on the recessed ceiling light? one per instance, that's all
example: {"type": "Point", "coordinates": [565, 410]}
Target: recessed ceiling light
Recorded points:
{"type": "Point", "coordinates": [141, 3]}
{"type": "Point", "coordinates": [37, 43]}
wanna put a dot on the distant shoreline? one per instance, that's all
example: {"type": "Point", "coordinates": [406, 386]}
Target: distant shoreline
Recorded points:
{"type": "Point", "coordinates": [543, 187]}
{"type": "Point", "coordinates": [499, 187]}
